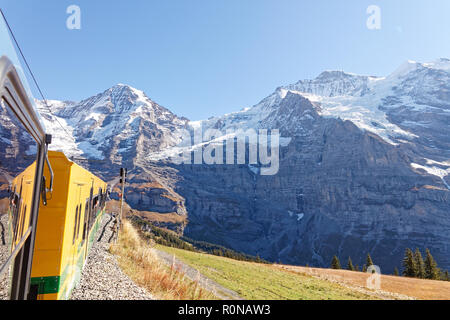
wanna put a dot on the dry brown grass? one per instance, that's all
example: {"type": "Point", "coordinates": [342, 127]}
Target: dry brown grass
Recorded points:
{"type": "Point", "coordinates": [416, 288]}
{"type": "Point", "coordinates": [148, 185]}
{"type": "Point", "coordinates": [173, 217]}
{"type": "Point", "coordinates": [4, 205]}
{"type": "Point", "coordinates": [171, 197]}
{"type": "Point", "coordinates": [114, 206]}
{"type": "Point", "coordinates": [138, 260]}
{"type": "Point", "coordinates": [162, 217]}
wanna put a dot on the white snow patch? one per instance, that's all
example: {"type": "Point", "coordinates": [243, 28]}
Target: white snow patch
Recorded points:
{"type": "Point", "coordinates": [435, 171]}
{"type": "Point", "coordinates": [253, 169]}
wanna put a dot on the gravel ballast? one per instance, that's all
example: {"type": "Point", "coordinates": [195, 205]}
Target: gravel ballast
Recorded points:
{"type": "Point", "coordinates": [4, 254]}
{"type": "Point", "coordinates": [102, 278]}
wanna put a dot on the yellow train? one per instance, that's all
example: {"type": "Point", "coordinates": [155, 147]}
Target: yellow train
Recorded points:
{"type": "Point", "coordinates": [66, 227]}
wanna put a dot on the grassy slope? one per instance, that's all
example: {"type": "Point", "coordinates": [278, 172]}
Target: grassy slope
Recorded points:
{"type": "Point", "coordinates": [254, 281]}
{"type": "Point", "coordinates": [412, 287]}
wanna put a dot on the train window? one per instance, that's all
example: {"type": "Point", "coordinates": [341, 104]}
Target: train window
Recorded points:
{"type": "Point", "coordinates": [16, 234]}
{"type": "Point", "coordinates": [78, 221]}
{"type": "Point", "coordinates": [86, 217]}
{"type": "Point", "coordinates": [95, 206]}
{"type": "Point", "coordinates": [89, 214]}
{"type": "Point", "coordinates": [103, 200]}
{"type": "Point", "coordinates": [22, 221]}
{"type": "Point", "coordinates": [100, 197]}
{"type": "Point", "coordinates": [75, 226]}
{"type": "Point", "coordinates": [15, 213]}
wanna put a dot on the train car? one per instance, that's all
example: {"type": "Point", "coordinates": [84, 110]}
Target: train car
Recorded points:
{"type": "Point", "coordinates": [67, 224]}
{"type": "Point", "coordinates": [23, 124]}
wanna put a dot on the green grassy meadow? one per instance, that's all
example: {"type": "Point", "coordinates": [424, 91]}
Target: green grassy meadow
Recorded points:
{"type": "Point", "coordinates": [253, 281]}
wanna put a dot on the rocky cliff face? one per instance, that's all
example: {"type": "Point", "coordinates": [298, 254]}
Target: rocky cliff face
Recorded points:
{"type": "Point", "coordinates": [364, 165]}
{"type": "Point", "coordinates": [366, 170]}
{"type": "Point", "coordinates": [119, 127]}
{"type": "Point", "coordinates": [339, 190]}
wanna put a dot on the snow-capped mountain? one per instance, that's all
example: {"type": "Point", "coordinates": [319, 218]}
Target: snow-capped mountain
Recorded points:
{"type": "Point", "coordinates": [396, 107]}
{"type": "Point", "coordinates": [410, 106]}
{"type": "Point", "coordinates": [120, 123]}
{"type": "Point", "coordinates": [366, 168]}
{"type": "Point", "coordinates": [364, 165]}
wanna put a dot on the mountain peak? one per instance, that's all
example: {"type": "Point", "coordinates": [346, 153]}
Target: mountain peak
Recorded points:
{"type": "Point", "coordinates": [124, 94]}
{"type": "Point", "coordinates": [332, 83]}
{"type": "Point", "coordinates": [122, 86]}
{"type": "Point", "coordinates": [405, 68]}
{"type": "Point", "coordinates": [411, 65]}
{"type": "Point", "coordinates": [441, 63]}
{"type": "Point", "coordinates": [334, 74]}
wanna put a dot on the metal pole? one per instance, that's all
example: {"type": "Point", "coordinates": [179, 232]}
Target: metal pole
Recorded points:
{"type": "Point", "coordinates": [122, 177]}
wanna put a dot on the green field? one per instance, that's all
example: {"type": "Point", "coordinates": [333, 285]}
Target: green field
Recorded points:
{"type": "Point", "coordinates": [254, 281]}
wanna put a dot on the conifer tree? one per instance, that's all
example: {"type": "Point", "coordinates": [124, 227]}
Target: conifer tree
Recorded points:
{"type": "Point", "coordinates": [446, 276]}
{"type": "Point", "coordinates": [364, 269]}
{"type": "Point", "coordinates": [369, 261]}
{"type": "Point", "coordinates": [396, 273]}
{"type": "Point", "coordinates": [420, 264]}
{"type": "Point", "coordinates": [357, 267]}
{"type": "Point", "coordinates": [409, 264]}
{"type": "Point", "coordinates": [431, 269]}
{"type": "Point", "coordinates": [350, 265]}
{"type": "Point", "coordinates": [335, 263]}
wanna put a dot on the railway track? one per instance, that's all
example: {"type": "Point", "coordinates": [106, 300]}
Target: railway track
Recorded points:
{"type": "Point", "coordinates": [102, 278]}
{"type": "Point", "coordinates": [111, 217]}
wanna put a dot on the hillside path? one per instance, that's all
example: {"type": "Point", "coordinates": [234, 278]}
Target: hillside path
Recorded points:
{"type": "Point", "coordinates": [218, 290]}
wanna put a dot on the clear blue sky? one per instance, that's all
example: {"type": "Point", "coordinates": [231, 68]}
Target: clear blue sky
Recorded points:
{"type": "Point", "coordinates": [209, 57]}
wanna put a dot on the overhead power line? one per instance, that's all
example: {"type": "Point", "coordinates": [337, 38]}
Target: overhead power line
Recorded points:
{"type": "Point", "coordinates": [32, 75]}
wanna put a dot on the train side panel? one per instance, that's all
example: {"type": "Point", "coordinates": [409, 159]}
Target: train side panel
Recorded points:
{"type": "Point", "coordinates": [64, 233]}
{"type": "Point", "coordinates": [78, 233]}
{"type": "Point", "coordinates": [79, 192]}
{"type": "Point", "coordinates": [46, 269]}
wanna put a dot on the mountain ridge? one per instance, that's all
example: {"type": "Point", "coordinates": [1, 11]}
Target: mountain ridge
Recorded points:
{"type": "Point", "coordinates": [365, 164]}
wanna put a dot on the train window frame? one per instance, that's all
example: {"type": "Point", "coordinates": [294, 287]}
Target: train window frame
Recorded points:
{"type": "Point", "coordinates": [85, 222]}
{"type": "Point", "coordinates": [89, 213]}
{"type": "Point", "coordinates": [75, 226]}
{"type": "Point", "coordinates": [15, 214]}
{"type": "Point", "coordinates": [17, 218]}
{"type": "Point", "coordinates": [78, 222]}
{"type": "Point", "coordinates": [22, 219]}
{"type": "Point", "coordinates": [16, 96]}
